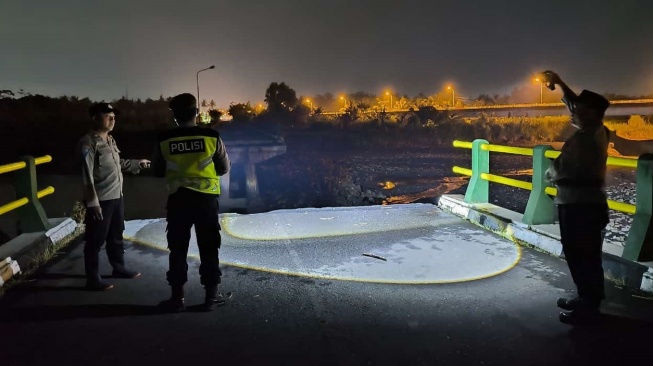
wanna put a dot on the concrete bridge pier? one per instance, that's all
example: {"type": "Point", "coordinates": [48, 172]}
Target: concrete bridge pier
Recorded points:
{"type": "Point", "coordinates": [246, 147]}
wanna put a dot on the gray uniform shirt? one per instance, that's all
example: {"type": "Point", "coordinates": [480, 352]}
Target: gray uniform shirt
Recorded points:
{"type": "Point", "coordinates": [579, 171]}
{"type": "Point", "coordinates": [102, 168]}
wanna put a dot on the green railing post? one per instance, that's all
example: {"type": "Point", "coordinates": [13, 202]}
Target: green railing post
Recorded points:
{"type": "Point", "coordinates": [540, 208]}
{"type": "Point", "coordinates": [31, 217]}
{"type": "Point", "coordinates": [639, 244]}
{"type": "Point", "coordinates": [478, 189]}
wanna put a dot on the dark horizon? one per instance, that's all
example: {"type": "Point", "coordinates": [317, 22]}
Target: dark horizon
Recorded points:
{"type": "Point", "coordinates": [107, 50]}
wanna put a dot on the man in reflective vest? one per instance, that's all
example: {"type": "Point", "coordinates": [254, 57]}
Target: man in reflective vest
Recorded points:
{"type": "Point", "coordinates": [192, 159]}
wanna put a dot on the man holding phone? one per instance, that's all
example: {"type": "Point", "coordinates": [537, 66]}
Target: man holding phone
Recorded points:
{"type": "Point", "coordinates": [579, 175]}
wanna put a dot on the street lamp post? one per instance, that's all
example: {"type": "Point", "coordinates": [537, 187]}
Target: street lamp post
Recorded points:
{"type": "Point", "coordinates": [541, 84]}
{"type": "Point", "coordinates": [344, 101]}
{"type": "Point", "coordinates": [453, 96]}
{"type": "Point", "coordinates": [197, 78]}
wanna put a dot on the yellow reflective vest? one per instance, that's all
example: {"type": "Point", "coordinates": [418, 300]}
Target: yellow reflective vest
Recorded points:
{"type": "Point", "coordinates": [191, 157]}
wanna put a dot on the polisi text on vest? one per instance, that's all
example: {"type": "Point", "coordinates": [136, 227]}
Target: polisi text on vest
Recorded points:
{"type": "Point", "coordinates": [187, 146]}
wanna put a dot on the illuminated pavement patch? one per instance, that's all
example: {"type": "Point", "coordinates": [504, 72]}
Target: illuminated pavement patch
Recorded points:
{"type": "Point", "coordinates": [421, 244]}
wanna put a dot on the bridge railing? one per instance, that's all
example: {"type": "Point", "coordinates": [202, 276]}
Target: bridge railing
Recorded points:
{"type": "Point", "coordinates": [540, 208]}
{"type": "Point", "coordinates": [504, 106]}
{"type": "Point", "coordinates": [31, 215]}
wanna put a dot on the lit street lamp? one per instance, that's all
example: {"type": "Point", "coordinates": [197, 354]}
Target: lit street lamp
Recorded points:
{"type": "Point", "coordinates": [541, 84]}
{"type": "Point", "coordinates": [388, 93]}
{"type": "Point", "coordinates": [197, 78]}
{"type": "Point", "coordinates": [310, 102]}
{"type": "Point", "coordinates": [453, 96]}
{"type": "Point", "coordinates": [344, 100]}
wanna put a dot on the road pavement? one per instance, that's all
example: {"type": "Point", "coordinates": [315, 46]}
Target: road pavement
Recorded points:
{"type": "Point", "coordinates": [508, 317]}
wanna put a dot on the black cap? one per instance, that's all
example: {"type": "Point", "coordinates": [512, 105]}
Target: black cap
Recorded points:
{"type": "Point", "coordinates": [591, 100]}
{"type": "Point", "coordinates": [102, 108]}
{"type": "Point", "coordinates": [182, 102]}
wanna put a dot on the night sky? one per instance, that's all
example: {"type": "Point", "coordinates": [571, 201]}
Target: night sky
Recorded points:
{"type": "Point", "coordinates": [100, 48]}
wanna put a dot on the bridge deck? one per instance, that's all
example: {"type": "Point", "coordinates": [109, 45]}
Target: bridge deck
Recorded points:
{"type": "Point", "coordinates": [313, 318]}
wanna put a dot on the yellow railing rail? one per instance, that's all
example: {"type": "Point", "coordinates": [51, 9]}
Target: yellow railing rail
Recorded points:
{"type": "Point", "coordinates": [43, 159]}
{"type": "Point", "coordinates": [612, 160]}
{"type": "Point", "coordinates": [13, 205]}
{"type": "Point", "coordinates": [508, 149]}
{"type": "Point", "coordinates": [20, 165]}
{"type": "Point", "coordinates": [12, 167]}
{"type": "Point", "coordinates": [462, 144]}
{"type": "Point", "coordinates": [23, 201]}
{"type": "Point", "coordinates": [552, 154]}
{"type": "Point", "coordinates": [615, 205]}
{"type": "Point", "coordinates": [32, 218]}
{"type": "Point", "coordinates": [45, 192]}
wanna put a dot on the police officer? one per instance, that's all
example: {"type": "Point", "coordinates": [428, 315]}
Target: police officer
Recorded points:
{"type": "Point", "coordinates": [102, 178]}
{"type": "Point", "coordinates": [192, 159]}
{"type": "Point", "coordinates": [579, 175]}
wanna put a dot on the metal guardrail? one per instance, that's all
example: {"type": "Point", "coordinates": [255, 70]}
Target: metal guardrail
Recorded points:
{"type": "Point", "coordinates": [541, 209]}
{"type": "Point", "coordinates": [31, 216]}
{"type": "Point", "coordinates": [510, 106]}
{"type": "Point", "coordinates": [551, 154]}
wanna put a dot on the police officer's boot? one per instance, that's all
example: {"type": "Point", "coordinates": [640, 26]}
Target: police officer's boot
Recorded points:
{"type": "Point", "coordinates": [568, 304]}
{"type": "Point", "coordinates": [175, 303]}
{"type": "Point", "coordinates": [93, 280]}
{"type": "Point", "coordinates": [583, 312]}
{"type": "Point", "coordinates": [117, 261]}
{"type": "Point", "coordinates": [214, 298]}
{"type": "Point", "coordinates": [580, 316]}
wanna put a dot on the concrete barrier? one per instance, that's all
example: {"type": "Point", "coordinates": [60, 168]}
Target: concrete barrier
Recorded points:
{"type": "Point", "coordinates": [546, 238]}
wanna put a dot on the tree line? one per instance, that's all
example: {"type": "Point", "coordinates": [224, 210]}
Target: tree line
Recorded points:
{"type": "Point", "coordinates": [22, 112]}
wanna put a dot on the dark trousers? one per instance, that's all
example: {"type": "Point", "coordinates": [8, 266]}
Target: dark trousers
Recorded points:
{"type": "Point", "coordinates": [581, 232]}
{"type": "Point", "coordinates": [109, 229]}
{"type": "Point", "coordinates": [185, 209]}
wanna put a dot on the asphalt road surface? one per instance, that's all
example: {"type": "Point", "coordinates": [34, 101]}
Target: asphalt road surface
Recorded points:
{"type": "Point", "coordinates": [279, 319]}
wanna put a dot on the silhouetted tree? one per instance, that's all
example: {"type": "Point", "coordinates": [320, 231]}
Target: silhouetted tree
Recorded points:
{"type": "Point", "coordinates": [300, 114]}
{"type": "Point", "coordinates": [427, 113]}
{"type": "Point", "coordinates": [484, 99]}
{"type": "Point", "coordinates": [215, 115]}
{"type": "Point", "coordinates": [351, 114]}
{"type": "Point", "coordinates": [241, 112]}
{"type": "Point", "coordinates": [280, 98]}
{"type": "Point", "coordinates": [6, 93]}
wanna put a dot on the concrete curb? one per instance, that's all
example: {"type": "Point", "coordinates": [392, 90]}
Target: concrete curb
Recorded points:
{"type": "Point", "coordinates": [26, 248]}
{"type": "Point", "coordinates": [508, 224]}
